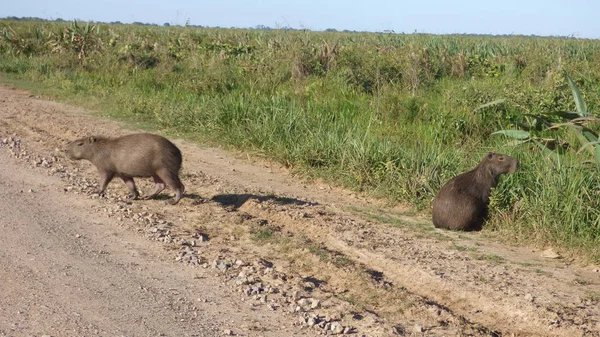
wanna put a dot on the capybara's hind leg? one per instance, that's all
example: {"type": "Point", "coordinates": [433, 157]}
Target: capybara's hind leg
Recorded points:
{"type": "Point", "coordinates": [160, 186]}
{"type": "Point", "coordinates": [172, 180]}
{"type": "Point", "coordinates": [131, 185]}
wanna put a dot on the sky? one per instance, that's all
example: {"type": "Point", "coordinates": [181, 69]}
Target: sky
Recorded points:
{"type": "Point", "coordinates": [576, 18]}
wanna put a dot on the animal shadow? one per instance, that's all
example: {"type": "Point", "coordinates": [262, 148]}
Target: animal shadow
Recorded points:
{"type": "Point", "coordinates": [166, 196]}
{"type": "Point", "coordinates": [378, 278]}
{"type": "Point", "coordinates": [235, 201]}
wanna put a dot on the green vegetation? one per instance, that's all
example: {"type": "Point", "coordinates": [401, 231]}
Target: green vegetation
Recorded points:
{"type": "Point", "coordinates": [490, 257]}
{"type": "Point", "coordinates": [391, 114]}
{"type": "Point", "coordinates": [262, 235]}
{"type": "Point", "coordinates": [592, 296]}
{"type": "Point", "coordinates": [576, 122]}
{"type": "Point", "coordinates": [542, 272]}
{"type": "Point", "coordinates": [326, 255]}
{"type": "Point", "coordinates": [463, 248]}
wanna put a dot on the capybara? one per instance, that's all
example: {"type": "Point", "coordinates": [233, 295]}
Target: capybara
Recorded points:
{"type": "Point", "coordinates": [135, 155]}
{"type": "Point", "coordinates": [462, 203]}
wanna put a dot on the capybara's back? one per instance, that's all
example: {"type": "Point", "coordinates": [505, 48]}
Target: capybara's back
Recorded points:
{"type": "Point", "coordinates": [462, 203]}
{"type": "Point", "coordinates": [143, 154]}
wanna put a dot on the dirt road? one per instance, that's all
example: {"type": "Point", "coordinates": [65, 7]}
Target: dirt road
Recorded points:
{"type": "Point", "coordinates": [250, 251]}
{"type": "Point", "coordinates": [67, 271]}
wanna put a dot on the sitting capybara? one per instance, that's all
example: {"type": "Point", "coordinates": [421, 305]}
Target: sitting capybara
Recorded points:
{"type": "Point", "coordinates": [462, 203]}
{"type": "Point", "coordinates": [135, 155]}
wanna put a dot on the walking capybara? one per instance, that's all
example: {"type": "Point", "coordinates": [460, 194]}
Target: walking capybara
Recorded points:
{"type": "Point", "coordinates": [135, 155]}
{"type": "Point", "coordinates": [462, 203]}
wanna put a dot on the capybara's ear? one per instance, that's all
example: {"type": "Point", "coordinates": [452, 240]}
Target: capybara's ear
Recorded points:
{"type": "Point", "coordinates": [92, 139]}
{"type": "Point", "coordinates": [490, 155]}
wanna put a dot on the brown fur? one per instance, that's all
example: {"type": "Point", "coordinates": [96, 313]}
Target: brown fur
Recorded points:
{"type": "Point", "coordinates": [462, 203]}
{"type": "Point", "coordinates": [135, 155]}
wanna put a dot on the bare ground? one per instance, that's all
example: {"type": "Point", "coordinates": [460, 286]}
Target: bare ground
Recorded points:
{"type": "Point", "coordinates": [251, 250]}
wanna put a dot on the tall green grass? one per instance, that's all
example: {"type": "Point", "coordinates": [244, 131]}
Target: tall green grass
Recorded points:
{"type": "Point", "coordinates": [388, 114]}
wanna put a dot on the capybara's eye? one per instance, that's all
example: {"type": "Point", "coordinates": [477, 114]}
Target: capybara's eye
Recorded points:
{"type": "Point", "coordinates": [80, 144]}
{"type": "Point", "coordinates": [500, 158]}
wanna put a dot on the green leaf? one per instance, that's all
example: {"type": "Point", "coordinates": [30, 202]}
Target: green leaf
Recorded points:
{"type": "Point", "coordinates": [568, 114]}
{"type": "Point", "coordinates": [516, 142]}
{"type": "Point", "coordinates": [6, 35]}
{"type": "Point", "coordinates": [579, 102]}
{"type": "Point", "coordinates": [589, 135]}
{"type": "Point", "coordinates": [593, 139]}
{"type": "Point", "coordinates": [516, 134]}
{"type": "Point", "coordinates": [492, 103]}
{"type": "Point", "coordinates": [587, 145]}
{"type": "Point", "coordinates": [525, 126]}
{"type": "Point", "coordinates": [597, 155]}
{"type": "Point", "coordinates": [588, 142]}
{"type": "Point", "coordinates": [576, 130]}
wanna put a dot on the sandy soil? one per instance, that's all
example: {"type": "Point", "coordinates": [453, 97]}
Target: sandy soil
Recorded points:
{"type": "Point", "coordinates": [250, 250]}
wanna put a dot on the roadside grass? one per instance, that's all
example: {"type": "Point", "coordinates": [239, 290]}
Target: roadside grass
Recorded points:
{"type": "Point", "coordinates": [464, 248]}
{"type": "Point", "coordinates": [391, 115]}
{"type": "Point", "coordinates": [592, 296]}
{"type": "Point", "coordinates": [542, 272]}
{"type": "Point", "coordinates": [490, 257]}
